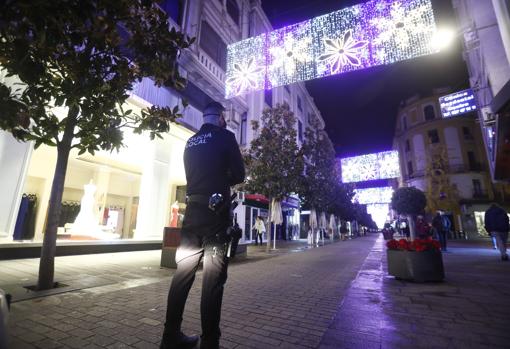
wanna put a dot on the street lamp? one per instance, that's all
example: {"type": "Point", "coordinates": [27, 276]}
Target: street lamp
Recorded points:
{"type": "Point", "coordinates": [442, 38]}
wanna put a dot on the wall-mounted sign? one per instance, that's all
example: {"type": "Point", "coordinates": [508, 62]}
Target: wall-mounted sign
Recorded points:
{"type": "Point", "coordinates": [361, 36]}
{"type": "Point", "coordinates": [457, 103]}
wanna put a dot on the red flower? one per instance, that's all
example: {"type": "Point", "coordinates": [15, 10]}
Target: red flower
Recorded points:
{"type": "Point", "coordinates": [392, 244]}
{"type": "Point", "coordinates": [418, 245]}
{"type": "Point", "coordinates": [403, 244]}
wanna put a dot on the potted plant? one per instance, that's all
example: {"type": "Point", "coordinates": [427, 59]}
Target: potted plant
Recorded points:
{"type": "Point", "coordinates": [419, 260]}
{"type": "Point", "coordinates": [409, 201]}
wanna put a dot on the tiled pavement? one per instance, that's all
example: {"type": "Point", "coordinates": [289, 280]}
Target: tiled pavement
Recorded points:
{"type": "Point", "coordinates": [329, 297]}
{"type": "Point", "coordinates": [471, 309]}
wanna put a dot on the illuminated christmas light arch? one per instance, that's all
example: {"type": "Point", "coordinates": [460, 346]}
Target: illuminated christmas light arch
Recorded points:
{"type": "Point", "coordinates": [361, 36]}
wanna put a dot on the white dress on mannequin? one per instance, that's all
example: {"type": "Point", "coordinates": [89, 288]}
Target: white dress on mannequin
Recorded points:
{"type": "Point", "coordinates": [86, 221]}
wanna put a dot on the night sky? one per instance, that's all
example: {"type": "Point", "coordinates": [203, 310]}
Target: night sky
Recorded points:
{"type": "Point", "coordinates": [360, 107]}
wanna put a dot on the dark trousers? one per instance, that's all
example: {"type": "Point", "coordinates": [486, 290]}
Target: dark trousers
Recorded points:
{"type": "Point", "coordinates": [257, 236]}
{"type": "Point", "coordinates": [443, 237]}
{"type": "Point", "coordinates": [203, 235]}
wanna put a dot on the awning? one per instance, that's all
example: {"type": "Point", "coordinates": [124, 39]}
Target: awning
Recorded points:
{"type": "Point", "coordinates": [259, 200]}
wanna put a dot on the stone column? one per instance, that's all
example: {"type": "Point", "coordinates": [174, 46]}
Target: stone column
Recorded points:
{"type": "Point", "coordinates": [154, 192]}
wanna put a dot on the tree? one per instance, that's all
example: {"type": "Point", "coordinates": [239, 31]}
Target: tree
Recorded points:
{"type": "Point", "coordinates": [320, 175]}
{"type": "Point", "coordinates": [83, 57]}
{"type": "Point", "coordinates": [409, 201]}
{"type": "Point", "coordinates": [441, 194]}
{"type": "Point", "coordinates": [274, 163]}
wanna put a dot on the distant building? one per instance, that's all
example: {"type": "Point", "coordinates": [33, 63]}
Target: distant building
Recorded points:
{"type": "Point", "coordinates": [485, 29]}
{"type": "Point", "coordinates": [142, 189]}
{"type": "Point", "coordinates": [445, 158]}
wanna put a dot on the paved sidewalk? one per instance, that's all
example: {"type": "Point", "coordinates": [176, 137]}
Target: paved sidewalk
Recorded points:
{"type": "Point", "coordinates": [121, 268]}
{"type": "Point", "coordinates": [287, 301]}
{"type": "Point", "coordinates": [471, 309]}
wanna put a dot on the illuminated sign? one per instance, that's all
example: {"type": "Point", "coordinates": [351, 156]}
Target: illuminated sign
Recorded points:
{"type": "Point", "coordinates": [370, 167]}
{"type": "Point", "coordinates": [457, 103]}
{"type": "Point", "coordinates": [362, 36]}
{"type": "Point", "coordinates": [379, 195]}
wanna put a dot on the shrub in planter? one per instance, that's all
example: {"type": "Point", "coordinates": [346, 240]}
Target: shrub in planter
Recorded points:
{"type": "Point", "coordinates": [420, 260]}
{"type": "Point", "coordinates": [409, 201]}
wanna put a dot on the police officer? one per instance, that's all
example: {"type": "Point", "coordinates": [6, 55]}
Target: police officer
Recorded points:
{"type": "Point", "coordinates": [213, 163]}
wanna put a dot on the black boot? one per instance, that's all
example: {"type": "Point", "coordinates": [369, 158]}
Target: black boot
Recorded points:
{"type": "Point", "coordinates": [178, 341]}
{"type": "Point", "coordinates": [209, 343]}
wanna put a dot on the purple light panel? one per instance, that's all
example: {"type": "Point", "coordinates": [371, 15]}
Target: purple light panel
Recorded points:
{"type": "Point", "coordinates": [361, 36]}
{"type": "Point", "coordinates": [370, 167]}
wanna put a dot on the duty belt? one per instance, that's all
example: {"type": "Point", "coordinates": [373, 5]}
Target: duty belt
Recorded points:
{"type": "Point", "coordinates": [198, 199]}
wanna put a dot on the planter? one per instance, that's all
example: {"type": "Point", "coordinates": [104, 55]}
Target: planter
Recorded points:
{"type": "Point", "coordinates": [416, 266]}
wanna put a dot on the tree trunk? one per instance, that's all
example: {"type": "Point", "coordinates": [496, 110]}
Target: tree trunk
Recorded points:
{"type": "Point", "coordinates": [412, 226]}
{"type": "Point", "coordinates": [47, 262]}
{"type": "Point", "coordinates": [269, 230]}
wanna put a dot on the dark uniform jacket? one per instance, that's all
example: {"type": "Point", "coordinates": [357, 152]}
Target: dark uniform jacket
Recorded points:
{"type": "Point", "coordinates": [212, 162]}
{"type": "Point", "coordinates": [496, 219]}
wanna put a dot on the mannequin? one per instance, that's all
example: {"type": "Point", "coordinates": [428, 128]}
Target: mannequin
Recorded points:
{"type": "Point", "coordinates": [174, 217]}
{"type": "Point", "coordinates": [86, 221]}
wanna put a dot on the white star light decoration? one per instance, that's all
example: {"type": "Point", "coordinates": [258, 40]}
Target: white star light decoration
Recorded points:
{"type": "Point", "coordinates": [361, 36]}
{"type": "Point", "coordinates": [341, 52]}
{"type": "Point", "coordinates": [380, 195]}
{"type": "Point", "coordinates": [290, 53]}
{"type": "Point", "coordinates": [244, 77]}
{"type": "Point", "coordinates": [369, 167]}
{"type": "Point", "coordinates": [401, 25]}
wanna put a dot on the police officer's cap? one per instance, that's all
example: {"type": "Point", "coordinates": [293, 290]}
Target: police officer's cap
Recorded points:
{"type": "Point", "coordinates": [213, 108]}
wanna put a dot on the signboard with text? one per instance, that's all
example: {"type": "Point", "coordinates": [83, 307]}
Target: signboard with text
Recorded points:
{"type": "Point", "coordinates": [457, 103]}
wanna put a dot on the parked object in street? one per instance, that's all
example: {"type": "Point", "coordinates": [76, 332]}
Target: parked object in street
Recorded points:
{"type": "Point", "coordinates": [420, 260]}
{"type": "Point", "coordinates": [388, 231]}
{"type": "Point", "coordinates": [496, 223]}
{"type": "Point", "coordinates": [4, 314]}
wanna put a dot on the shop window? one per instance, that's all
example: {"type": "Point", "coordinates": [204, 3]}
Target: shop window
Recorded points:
{"type": "Point", "coordinates": [174, 9]}
{"type": "Point", "coordinates": [180, 194]}
{"type": "Point", "coordinates": [268, 97]}
{"type": "Point", "coordinates": [212, 45]}
{"type": "Point", "coordinates": [408, 145]}
{"type": "Point", "coordinates": [429, 112]}
{"type": "Point", "coordinates": [233, 10]}
{"type": "Point", "coordinates": [433, 136]}
{"type": "Point", "coordinates": [300, 107]}
{"type": "Point", "coordinates": [300, 130]}
{"type": "Point", "coordinates": [244, 126]}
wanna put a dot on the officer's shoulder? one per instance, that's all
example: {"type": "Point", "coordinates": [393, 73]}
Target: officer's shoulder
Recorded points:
{"type": "Point", "coordinates": [227, 133]}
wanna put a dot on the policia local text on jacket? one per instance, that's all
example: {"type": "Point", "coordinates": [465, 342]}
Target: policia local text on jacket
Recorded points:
{"type": "Point", "coordinates": [213, 163]}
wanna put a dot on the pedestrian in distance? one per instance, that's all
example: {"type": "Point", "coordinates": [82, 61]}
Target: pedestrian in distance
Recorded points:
{"type": "Point", "coordinates": [343, 232]}
{"type": "Point", "coordinates": [422, 228]}
{"type": "Point", "coordinates": [212, 163]}
{"type": "Point", "coordinates": [442, 226]}
{"type": "Point", "coordinates": [496, 223]}
{"type": "Point", "coordinates": [259, 228]}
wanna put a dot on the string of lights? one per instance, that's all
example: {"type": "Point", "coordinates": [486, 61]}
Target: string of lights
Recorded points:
{"type": "Point", "coordinates": [369, 167]}
{"type": "Point", "coordinates": [369, 34]}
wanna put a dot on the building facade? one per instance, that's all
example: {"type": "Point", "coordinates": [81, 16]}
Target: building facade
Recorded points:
{"type": "Point", "coordinates": [445, 158]}
{"type": "Point", "coordinates": [485, 29]}
{"type": "Point", "coordinates": [141, 189]}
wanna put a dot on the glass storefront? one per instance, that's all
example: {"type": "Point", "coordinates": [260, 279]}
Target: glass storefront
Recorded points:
{"type": "Point", "coordinates": [132, 194]}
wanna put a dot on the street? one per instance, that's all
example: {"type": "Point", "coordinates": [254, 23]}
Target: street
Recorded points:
{"type": "Point", "coordinates": [335, 296]}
